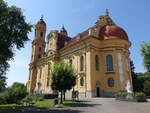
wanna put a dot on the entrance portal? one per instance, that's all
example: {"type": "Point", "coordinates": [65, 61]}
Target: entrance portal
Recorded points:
{"type": "Point", "coordinates": [98, 92]}
{"type": "Point", "coordinates": [97, 88]}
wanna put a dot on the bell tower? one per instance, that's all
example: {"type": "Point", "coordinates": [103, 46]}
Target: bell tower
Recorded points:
{"type": "Point", "coordinates": [38, 44]}
{"type": "Point", "coordinates": [38, 50]}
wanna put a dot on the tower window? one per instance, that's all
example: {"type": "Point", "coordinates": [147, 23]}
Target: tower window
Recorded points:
{"type": "Point", "coordinates": [40, 73]}
{"type": "Point", "coordinates": [109, 62]}
{"type": "Point", "coordinates": [41, 34]}
{"type": "Point", "coordinates": [70, 61]}
{"type": "Point", "coordinates": [32, 57]}
{"type": "Point", "coordinates": [40, 48]}
{"type": "Point", "coordinates": [96, 62]}
{"type": "Point", "coordinates": [39, 56]}
{"type": "Point", "coordinates": [81, 63]}
{"type": "Point", "coordinates": [127, 65]}
{"type": "Point", "coordinates": [47, 81]}
{"type": "Point", "coordinates": [35, 32]}
{"type": "Point", "coordinates": [81, 81]}
{"type": "Point", "coordinates": [110, 82]}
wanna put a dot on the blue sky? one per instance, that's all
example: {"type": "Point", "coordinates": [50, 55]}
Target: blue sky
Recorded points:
{"type": "Point", "coordinates": [78, 15]}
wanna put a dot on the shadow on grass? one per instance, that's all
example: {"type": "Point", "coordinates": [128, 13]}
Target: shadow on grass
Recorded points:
{"type": "Point", "coordinates": [58, 111]}
{"type": "Point", "coordinates": [79, 100]}
{"type": "Point", "coordinates": [8, 109]}
{"type": "Point", "coordinates": [77, 103]}
{"type": "Point", "coordinates": [43, 109]}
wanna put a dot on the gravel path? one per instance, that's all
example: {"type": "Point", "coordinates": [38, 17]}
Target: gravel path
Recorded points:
{"type": "Point", "coordinates": [104, 105]}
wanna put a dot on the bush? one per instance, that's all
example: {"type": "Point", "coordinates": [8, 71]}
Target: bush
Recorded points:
{"type": "Point", "coordinates": [13, 94]}
{"type": "Point", "coordinates": [121, 95]}
{"type": "Point", "coordinates": [147, 87]}
{"type": "Point", "coordinates": [139, 94]}
{"type": "Point", "coordinates": [3, 98]}
{"type": "Point", "coordinates": [38, 96]}
{"type": "Point", "coordinates": [34, 97]}
{"type": "Point", "coordinates": [140, 97]}
{"type": "Point", "coordinates": [18, 92]}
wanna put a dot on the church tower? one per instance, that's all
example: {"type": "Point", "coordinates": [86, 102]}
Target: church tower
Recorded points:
{"type": "Point", "coordinates": [38, 50]}
{"type": "Point", "coordinates": [38, 44]}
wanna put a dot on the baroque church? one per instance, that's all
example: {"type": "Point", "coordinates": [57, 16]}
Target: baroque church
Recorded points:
{"type": "Point", "coordinates": [100, 55]}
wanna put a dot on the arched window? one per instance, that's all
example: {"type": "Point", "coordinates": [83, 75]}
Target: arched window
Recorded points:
{"type": "Point", "coordinates": [47, 81]}
{"type": "Point", "coordinates": [40, 73]}
{"type": "Point", "coordinates": [70, 62]}
{"type": "Point", "coordinates": [40, 49]}
{"type": "Point", "coordinates": [41, 34]}
{"type": "Point", "coordinates": [81, 81]}
{"type": "Point", "coordinates": [96, 62]}
{"type": "Point", "coordinates": [109, 62]}
{"type": "Point", "coordinates": [111, 82]}
{"type": "Point", "coordinates": [81, 63]}
{"type": "Point", "coordinates": [127, 65]}
{"type": "Point", "coordinates": [35, 32]}
{"type": "Point", "coordinates": [39, 56]}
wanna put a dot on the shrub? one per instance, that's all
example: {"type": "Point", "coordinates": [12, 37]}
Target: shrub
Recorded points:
{"type": "Point", "coordinates": [18, 92]}
{"type": "Point", "coordinates": [121, 95]}
{"type": "Point", "coordinates": [3, 98]}
{"type": "Point", "coordinates": [13, 94]}
{"type": "Point", "coordinates": [147, 87]}
{"type": "Point", "coordinates": [140, 97]}
{"type": "Point", "coordinates": [34, 97]}
{"type": "Point", "coordinates": [38, 96]}
{"type": "Point", "coordinates": [139, 94]}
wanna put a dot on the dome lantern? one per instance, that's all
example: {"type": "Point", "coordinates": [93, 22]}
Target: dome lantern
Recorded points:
{"type": "Point", "coordinates": [63, 31]}
{"type": "Point", "coordinates": [41, 21]}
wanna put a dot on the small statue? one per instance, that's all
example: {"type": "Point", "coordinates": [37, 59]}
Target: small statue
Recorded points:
{"type": "Point", "coordinates": [129, 90]}
{"type": "Point", "coordinates": [129, 87]}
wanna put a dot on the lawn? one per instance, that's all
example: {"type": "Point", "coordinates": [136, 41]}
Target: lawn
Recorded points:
{"type": "Point", "coordinates": [45, 104]}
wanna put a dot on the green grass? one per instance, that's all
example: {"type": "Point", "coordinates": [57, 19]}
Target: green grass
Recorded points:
{"type": "Point", "coordinates": [47, 104]}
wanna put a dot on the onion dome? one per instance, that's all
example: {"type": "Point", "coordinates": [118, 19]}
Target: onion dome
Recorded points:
{"type": "Point", "coordinates": [41, 21]}
{"type": "Point", "coordinates": [112, 32]}
{"type": "Point", "coordinates": [63, 31]}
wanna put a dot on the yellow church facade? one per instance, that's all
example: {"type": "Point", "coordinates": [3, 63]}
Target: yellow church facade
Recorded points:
{"type": "Point", "coordinates": [100, 55]}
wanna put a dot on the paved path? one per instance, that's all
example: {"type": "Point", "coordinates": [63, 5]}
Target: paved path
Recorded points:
{"type": "Point", "coordinates": [105, 105]}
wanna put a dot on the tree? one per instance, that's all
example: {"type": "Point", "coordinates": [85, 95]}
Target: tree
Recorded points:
{"type": "Point", "coordinates": [133, 75]}
{"type": "Point", "coordinates": [63, 78]}
{"type": "Point", "coordinates": [13, 94]}
{"type": "Point", "coordinates": [139, 81]}
{"type": "Point", "coordinates": [13, 33]}
{"type": "Point", "coordinates": [146, 54]}
{"type": "Point", "coordinates": [2, 82]}
{"type": "Point", "coordinates": [16, 92]}
{"type": "Point", "coordinates": [147, 87]}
